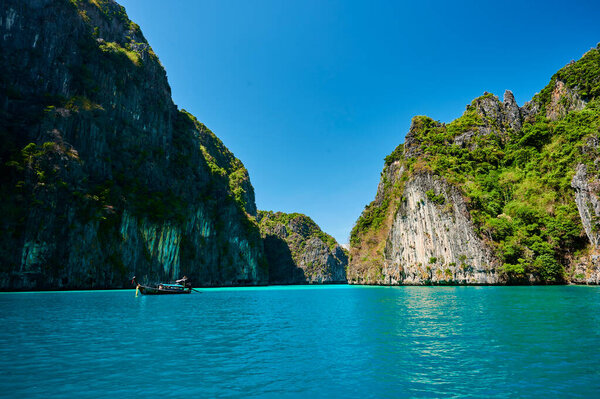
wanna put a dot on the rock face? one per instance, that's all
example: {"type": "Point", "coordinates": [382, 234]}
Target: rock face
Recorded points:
{"type": "Point", "coordinates": [432, 223]}
{"type": "Point", "coordinates": [102, 177]}
{"type": "Point", "coordinates": [562, 101]}
{"type": "Point", "coordinates": [587, 266]}
{"type": "Point", "coordinates": [298, 252]}
{"type": "Point", "coordinates": [426, 236]}
{"type": "Point", "coordinates": [512, 112]}
{"type": "Point", "coordinates": [503, 115]}
{"type": "Point", "coordinates": [588, 204]}
{"type": "Point", "coordinates": [486, 198]}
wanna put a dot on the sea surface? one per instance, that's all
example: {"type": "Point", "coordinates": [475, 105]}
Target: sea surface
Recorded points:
{"type": "Point", "coordinates": [304, 342]}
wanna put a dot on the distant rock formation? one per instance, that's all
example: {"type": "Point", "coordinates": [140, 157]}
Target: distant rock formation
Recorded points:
{"type": "Point", "coordinates": [298, 252]}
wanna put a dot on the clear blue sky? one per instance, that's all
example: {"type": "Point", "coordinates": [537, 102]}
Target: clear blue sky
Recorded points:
{"type": "Point", "coordinates": [312, 95]}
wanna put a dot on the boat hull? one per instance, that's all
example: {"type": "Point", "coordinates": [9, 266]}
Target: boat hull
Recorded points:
{"type": "Point", "coordinates": [145, 290]}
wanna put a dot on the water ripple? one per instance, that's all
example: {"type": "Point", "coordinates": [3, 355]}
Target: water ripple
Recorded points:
{"type": "Point", "coordinates": [316, 342]}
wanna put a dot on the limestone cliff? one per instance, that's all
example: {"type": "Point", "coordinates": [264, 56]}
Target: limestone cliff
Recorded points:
{"type": "Point", "coordinates": [587, 265]}
{"type": "Point", "coordinates": [588, 204]}
{"type": "Point", "coordinates": [425, 236]}
{"type": "Point", "coordinates": [298, 252]}
{"type": "Point", "coordinates": [102, 177]}
{"type": "Point", "coordinates": [503, 194]}
{"type": "Point", "coordinates": [432, 222]}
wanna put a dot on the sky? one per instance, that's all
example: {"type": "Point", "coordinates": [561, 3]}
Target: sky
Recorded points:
{"type": "Point", "coordinates": [312, 95]}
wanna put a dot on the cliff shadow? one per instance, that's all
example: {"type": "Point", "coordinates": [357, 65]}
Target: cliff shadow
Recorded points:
{"type": "Point", "coordinates": [282, 268]}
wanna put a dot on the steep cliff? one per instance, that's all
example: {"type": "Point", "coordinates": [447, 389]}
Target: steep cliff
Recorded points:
{"type": "Point", "coordinates": [298, 252]}
{"type": "Point", "coordinates": [102, 177]}
{"type": "Point", "coordinates": [503, 194]}
{"type": "Point", "coordinates": [587, 189]}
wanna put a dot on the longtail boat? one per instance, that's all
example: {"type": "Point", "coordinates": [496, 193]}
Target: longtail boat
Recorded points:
{"type": "Point", "coordinates": [181, 286]}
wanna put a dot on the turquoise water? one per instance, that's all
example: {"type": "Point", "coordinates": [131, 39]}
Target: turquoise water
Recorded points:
{"type": "Point", "coordinates": [327, 341]}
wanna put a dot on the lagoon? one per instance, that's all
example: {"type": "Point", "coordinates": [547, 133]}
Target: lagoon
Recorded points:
{"type": "Point", "coordinates": [303, 341]}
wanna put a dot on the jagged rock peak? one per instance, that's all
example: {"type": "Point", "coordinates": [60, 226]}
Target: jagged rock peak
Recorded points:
{"type": "Point", "coordinates": [488, 106]}
{"type": "Point", "coordinates": [503, 115]}
{"type": "Point", "coordinates": [512, 112]}
{"type": "Point", "coordinates": [509, 98]}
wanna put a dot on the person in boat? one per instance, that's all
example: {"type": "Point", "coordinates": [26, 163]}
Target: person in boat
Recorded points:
{"type": "Point", "coordinates": [184, 282]}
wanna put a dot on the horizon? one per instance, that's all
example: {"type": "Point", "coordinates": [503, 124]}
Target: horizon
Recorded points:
{"type": "Point", "coordinates": [310, 98]}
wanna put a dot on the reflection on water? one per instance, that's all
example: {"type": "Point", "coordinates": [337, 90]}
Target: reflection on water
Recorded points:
{"type": "Point", "coordinates": [304, 341]}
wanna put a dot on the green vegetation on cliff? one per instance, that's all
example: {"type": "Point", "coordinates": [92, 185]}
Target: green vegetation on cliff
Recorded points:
{"type": "Point", "coordinates": [582, 76]}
